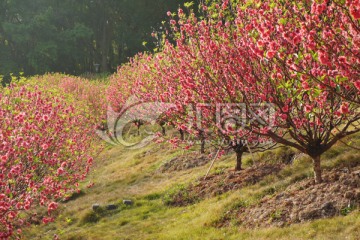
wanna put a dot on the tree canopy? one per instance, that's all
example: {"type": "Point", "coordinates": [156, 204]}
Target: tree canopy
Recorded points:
{"type": "Point", "coordinates": [71, 36]}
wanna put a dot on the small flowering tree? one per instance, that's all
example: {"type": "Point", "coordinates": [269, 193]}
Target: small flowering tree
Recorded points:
{"type": "Point", "coordinates": [301, 57]}
{"type": "Point", "coordinates": [139, 82]}
{"type": "Point", "coordinates": [304, 59]}
{"type": "Point", "coordinates": [208, 69]}
{"type": "Point", "coordinates": [44, 152]}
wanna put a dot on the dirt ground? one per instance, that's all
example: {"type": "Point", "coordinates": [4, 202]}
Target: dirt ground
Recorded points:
{"type": "Point", "coordinates": [221, 182]}
{"type": "Point", "coordinates": [304, 201]}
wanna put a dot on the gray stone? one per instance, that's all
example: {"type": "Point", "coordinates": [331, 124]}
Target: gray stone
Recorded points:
{"type": "Point", "coordinates": [111, 207]}
{"type": "Point", "coordinates": [328, 209]}
{"type": "Point", "coordinates": [294, 217]}
{"type": "Point", "coordinates": [95, 206]}
{"type": "Point", "coordinates": [128, 202]}
{"type": "Point", "coordinates": [327, 205]}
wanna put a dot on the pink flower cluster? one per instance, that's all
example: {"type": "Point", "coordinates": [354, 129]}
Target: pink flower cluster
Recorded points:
{"type": "Point", "coordinates": [44, 152]}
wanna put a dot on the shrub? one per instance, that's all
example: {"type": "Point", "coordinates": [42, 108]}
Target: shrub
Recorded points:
{"type": "Point", "coordinates": [45, 144]}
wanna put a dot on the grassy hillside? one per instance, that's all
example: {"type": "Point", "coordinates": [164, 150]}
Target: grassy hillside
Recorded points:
{"type": "Point", "coordinates": [140, 175]}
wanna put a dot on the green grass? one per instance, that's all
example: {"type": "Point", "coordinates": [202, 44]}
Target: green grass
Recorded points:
{"type": "Point", "coordinates": [123, 174]}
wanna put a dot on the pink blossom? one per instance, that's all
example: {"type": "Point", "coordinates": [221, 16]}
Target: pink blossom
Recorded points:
{"type": "Point", "coordinates": [4, 158]}
{"type": "Point", "coordinates": [90, 160]}
{"type": "Point", "coordinates": [305, 85]}
{"type": "Point", "coordinates": [27, 206]}
{"type": "Point", "coordinates": [357, 84]}
{"type": "Point", "coordinates": [46, 118]}
{"type": "Point", "coordinates": [296, 39]}
{"type": "Point", "coordinates": [342, 59]}
{"type": "Point", "coordinates": [283, 116]}
{"type": "Point", "coordinates": [44, 146]}
{"type": "Point", "coordinates": [52, 206]}
{"type": "Point", "coordinates": [60, 171]}
{"type": "Point", "coordinates": [285, 109]}
{"type": "Point", "coordinates": [12, 214]}
{"type": "Point", "coordinates": [19, 205]}
{"type": "Point", "coordinates": [344, 108]}
{"type": "Point", "coordinates": [47, 220]}
{"type": "Point", "coordinates": [308, 108]}
{"type": "Point", "coordinates": [324, 58]}
{"type": "Point", "coordinates": [270, 54]}
{"type": "Point", "coordinates": [355, 9]}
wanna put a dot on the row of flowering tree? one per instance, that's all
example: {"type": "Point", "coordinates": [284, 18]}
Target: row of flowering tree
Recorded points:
{"type": "Point", "coordinates": [81, 90]}
{"type": "Point", "coordinates": [300, 59]}
{"type": "Point", "coordinates": [47, 144]}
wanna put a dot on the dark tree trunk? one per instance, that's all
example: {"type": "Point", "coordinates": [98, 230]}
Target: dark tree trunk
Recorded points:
{"type": "Point", "coordinates": [181, 134]}
{"type": "Point", "coordinates": [162, 125]}
{"type": "Point", "coordinates": [105, 46]}
{"type": "Point", "coordinates": [317, 169]}
{"type": "Point", "coordinates": [239, 149]}
{"type": "Point", "coordinates": [238, 160]}
{"type": "Point", "coordinates": [104, 49]}
{"type": "Point", "coordinates": [138, 124]}
{"type": "Point", "coordinates": [202, 148]}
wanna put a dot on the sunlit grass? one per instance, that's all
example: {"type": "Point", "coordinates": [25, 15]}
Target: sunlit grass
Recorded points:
{"type": "Point", "coordinates": [122, 174]}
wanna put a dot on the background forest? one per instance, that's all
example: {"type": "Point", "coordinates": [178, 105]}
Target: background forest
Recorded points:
{"type": "Point", "coordinates": [72, 36]}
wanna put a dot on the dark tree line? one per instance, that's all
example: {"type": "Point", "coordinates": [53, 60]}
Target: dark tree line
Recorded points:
{"type": "Point", "coordinates": [72, 36]}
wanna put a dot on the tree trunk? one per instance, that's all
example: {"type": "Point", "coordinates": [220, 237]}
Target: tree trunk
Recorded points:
{"type": "Point", "coordinates": [202, 149]}
{"type": "Point", "coordinates": [105, 46]}
{"type": "Point", "coordinates": [163, 130]}
{"type": "Point", "coordinates": [202, 141]}
{"type": "Point", "coordinates": [181, 134]}
{"type": "Point", "coordinates": [138, 130]}
{"type": "Point", "coordinates": [103, 50]}
{"type": "Point", "coordinates": [317, 169]}
{"type": "Point", "coordinates": [238, 160]}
